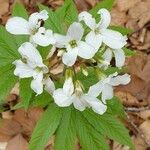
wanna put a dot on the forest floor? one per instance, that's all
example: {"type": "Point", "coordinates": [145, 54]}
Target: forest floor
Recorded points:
{"type": "Point", "coordinates": [134, 14]}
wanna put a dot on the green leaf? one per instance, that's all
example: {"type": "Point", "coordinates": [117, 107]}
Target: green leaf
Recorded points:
{"type": "Point", "coordinates": [20, 11]}
{"type": "Point", "coordinates": [42, 100]}
{"type": "Point", "coordinates": [66, 135]}
{"type": "Point", "coordinates": [53, 22]}
{"type": "Point", "coordinates": [89, 138]}
{"type": "Point", "coordinates": [25, 92]}
{"type": "Point", "coordinates": [108, 4]}
{"type": "Point", "coordinates": [68, 12]}
{"type": "Point", "coordinates": [108, 125]}
{"type": "Point", "coordinates": [129, 52]}
{"type": "Point", "coordinates": [121, 29]}
{"type": "Point", "coordinates": [45, 128]}
{"type": "Point", "coordinates": [7, 80]}
{"type": "Point", "coordinates": [119, 110]}
{"type": "Point", "coordinates": [111, 70]}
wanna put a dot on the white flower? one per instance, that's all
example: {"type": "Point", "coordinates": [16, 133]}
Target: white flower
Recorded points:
{"type": "Point", "coordinates": [32, 27]}
{"type": "Point", "coordinates": [73, 45]}
{"type": "Point", "coordinates": [105, 86]}
{"type": "Point", "coordinates": [31, 65]}
{"type": "Point", "coordinates": [73, 95]}
{"type": "Point", "coordinates": [99, 32]}
{"type": "Point", "coordinates": [108, 54]}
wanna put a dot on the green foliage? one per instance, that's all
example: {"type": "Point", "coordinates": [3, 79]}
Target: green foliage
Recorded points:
{"type": "Point", "coordinates": [53, 22]}
{"type": "Point", "coordinates": [45, 128]}
{"type": "Point", "coordinates": [108, 125]}
{"type": "Point", "coordinates": [68, 12]}
{"type": "Point", "coordinates": [129, 52]}
{"type": "Point", "coordinates": [25, 92]}
{"type": "Point", "coordinates": [121, 29]}
{"type": "Point", "coordinates": [66, 134]}
{"type": "Point", "coordinates": [20, 11]}
{"type": "Point", "coordinates": [89, 138]}
{"type": "Point", "coordinates": [7, 80]}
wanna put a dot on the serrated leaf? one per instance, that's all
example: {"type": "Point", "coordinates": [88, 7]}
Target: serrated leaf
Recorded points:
{"type": "Point", "coordinates": [129, 52]}
{"type": "Point", "coordinates": [89, 138]}
{"type": "Point", "coordinates": [42, 100]}
{"type": "Point", "coordinates": [119, 110]}
{"type": "Point", "coordinates": [53, 22]}
{"type": "Point", "coordinates": [25, 92]}
{"type": "Point", "coordinates": [68, 12]}
{"type": "Point", "coordinates": [7, 80]}
{"type": "Point", "coordinates": [20, 11]}
{"type": "Point", "coordinates": [108, 125]}
{"type": "Point", "coordinates": [108, 4]}
{"type": "Point", "coordinates": [45, 127]}
{"type": "Point", "coordinates": [121, 29]}
{"type": "Point", "coordinates": [66, 135]}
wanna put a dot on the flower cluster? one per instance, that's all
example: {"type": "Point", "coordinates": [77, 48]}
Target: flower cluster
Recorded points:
{"type": "Point", "coordinates": [76, 46]}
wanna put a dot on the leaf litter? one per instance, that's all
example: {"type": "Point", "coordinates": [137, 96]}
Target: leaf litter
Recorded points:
{"type": "Point", "coordinates": [17, 126]}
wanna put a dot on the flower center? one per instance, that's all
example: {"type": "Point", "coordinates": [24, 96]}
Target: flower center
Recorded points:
{"type": "Point", "coordinates": [24, 60]}
{"type": "Point", "coordinates": [73, 43]}
{"type": "Point", "coordinates": [97, 31]}
{"type": "Point", "coordinates": [38, 69]}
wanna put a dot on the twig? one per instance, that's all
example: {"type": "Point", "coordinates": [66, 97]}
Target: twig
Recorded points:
{"type": "Point", "coordinates": [135, 109]}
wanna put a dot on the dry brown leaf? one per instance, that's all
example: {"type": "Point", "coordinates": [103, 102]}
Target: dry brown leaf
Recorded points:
{"type": "Point", "coordinates": [145, 114]}
{"type": "Point", "coordinates": [4, 7]}
{"type": "Point", "coordinates": [17, 143]}
{"type": "Point", "coordinates": [117, 146]}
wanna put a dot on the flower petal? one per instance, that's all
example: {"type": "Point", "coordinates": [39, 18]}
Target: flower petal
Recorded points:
{"type": "Point", "coordinates": [105, 18]}
{"type": "Point", "coordinates": [23, 70]}
{"type": "Point", "coordinates": [88, 19]}
{"type": "Point", "coordinates": [61, 99]}
{"type": "Point", "coordinates": [18, 26]}
{"type": "Point", "coordinates": [107, 55]}
{"type": "Point", "coordinates": [96, 104]}
{"type": "Point", "coordinates": [61, 40]}
{"type": "Point", "coordinates": [69, 58]}
{"type": "Point", "coordinates": [28, 51]}
{"type": "Point", "coordinates": [94, 40]}
{"type": "Point", "coordinates": [68, 87]}
{"type": "Point", "coordinates": [37, 84]}
{"type": "Point", "coordinates": [121, 79]}
{"type": "Point", "coordinates": [75, 31]}
{"type": "Point", "coordinates": [107, 93]}
{"type": "Point", "coordinates": [36, 18]}
{"type": "Point", "coordinates": [44, 37]}
{"type": "Point", "coordinates": [78, 103]}
{"type": "Point", "coordinates": [49, 85]}
{"type": "Point", "coordinates": [113, 39]}
{"type": "Point", "coordinates": [85, 50]}
{"type": "Point", "coordinates": [119, 57]}
{"type": "Point", "coordinates": [96, 89]}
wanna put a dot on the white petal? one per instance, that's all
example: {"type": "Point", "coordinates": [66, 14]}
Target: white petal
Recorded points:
{"type": "Point", "coordinates": [96, 89]}
{"type": "Point", "coordinates": [61, 40]}
{"type": "Point", "coordinates": [68, 87]}
{"type": "Point", "coordinates": [17, 25]}
{"type": "Point", "coordinates": [96, 104]}
{"type": "Point", "coordinates": [23, 70]}
{"type": "Point", "coordinates": [49, 85]}
{"type": "Point", "coordinates": [107, 93]}
{"type": "Point", "coordinates": [119, 57]}
{"type": "Point", "coordinates": [75, 31]}
{"type": "Point", "coordinates": [107, 55]}
{"type": "Point", "coordinates": [44, 37]}
{"type": "Point", "coordinates": [121, 79]}
{"type": "Point", "coordinates": [28, 51]}
{"type": "Point", "coordinates": [36, 17]}
{"type": "Point", "coordinates": [94, 40]}
{"type": "Point", "coordinates": [69, 58]}
{"type": "Point", "coordinates": [78, 103]}
{"type": "Point", "coordinates": [37, 84]}
{"type": "Point", "coordinates": [88, 19]}
{"type": "Point", "coordinates": [61, 99]}
{"type": "Point", "coordinates": [105, 18]}
{"type": "Point", "coordinates": [85, 50]}
{"type": "Point", "coordinates": [113, 39]}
